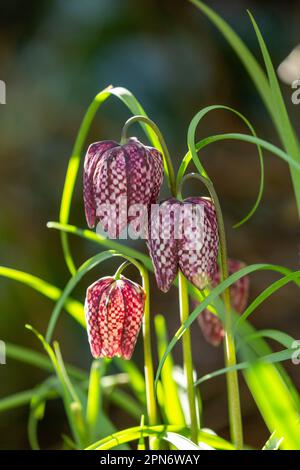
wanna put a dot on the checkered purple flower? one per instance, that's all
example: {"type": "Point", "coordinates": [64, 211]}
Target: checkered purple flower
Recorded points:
{"type": "Point", "coordinates": [210, 324]}
{"type": "Point", "coordinates": [115, 178]}
{"type": "Point", "coordinates": [184, 235]}
{"type": "Point", "coordinates": [114, 310]}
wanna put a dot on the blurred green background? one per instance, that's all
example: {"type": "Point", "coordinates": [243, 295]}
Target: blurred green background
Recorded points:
{"type": "Point", "coordinates": [54, 57]}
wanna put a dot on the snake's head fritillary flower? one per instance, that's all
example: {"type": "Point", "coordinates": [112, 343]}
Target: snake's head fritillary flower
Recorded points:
{"type": "Point", "coordinates": [211, 325]}
{"type": "Point", "coordinates": [114, 310]}
{"type": "Point", "coordinates": [118, 177]}
{"type": "Point", "coordinates": [184, 235]}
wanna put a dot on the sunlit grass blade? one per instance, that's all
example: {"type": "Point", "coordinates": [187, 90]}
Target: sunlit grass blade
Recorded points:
{"type": "Point", "coordinates": [103, 241]}
{"type": "Point", "coordinates": [28, 356]}
{"type": "Point", "coordinates": [274, 442]}
{"type": "Point", "coordinates": [72, 404]}
{"type": "Point", "coordinates": [285, 128]}
{"type": "Point", "coordinates": [246, 57]}
{"type": "Point", "coordinates": [214, 294]}
{"type": "Point", "coordinates": [186, 160]}
{"type": "Point", "coordinates": [272, 358]}
{"type": "Point", "coordinates": [74, 307]}
{"type": "Point", "coordinates": [15, 400]}
{"type": "Point", "coordinates": [181, 442]}
{"type": "Point", "coordinates": [275, 404]}
{"type": "Point", "coordinates": [94, 397]}
{"type": "Point", "coordinates": [44, 391]}
{"type": "Point", "coordinates": [280, 336]}
{"type": "Point", "coordinates": [267, 87]}
{"type": "Point", "coordinates": [291, 277]}
{"type": "Point", "coordinates": [136, 378]}
{"type": "Point", "coordinates": [171, 401]}
{"type": "Point", "coordinates": [133, 434]}
{"type": "Point", "coordinates": [136, 109]}
{"type": "Point", "coordinates": [84, 268]}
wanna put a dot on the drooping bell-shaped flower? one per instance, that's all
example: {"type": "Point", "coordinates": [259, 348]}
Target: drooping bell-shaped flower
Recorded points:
{"type": "Point", "coordinates": [118, 177]}
{"type": "Point", "coordinates": [114, 310]}
{"type": "Point", "coordinates": [210, 324]}
{"type": "Point", "coordinates": [184, 235]}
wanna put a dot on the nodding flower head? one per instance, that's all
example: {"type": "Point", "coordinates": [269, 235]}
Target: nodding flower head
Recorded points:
{"type": "Point", "coordinates": [184, 235]}
{"type": "Point", "coordinates": [115, 178]}
{"type": "Point", "coordinates": [114, 310]}
{"type": "Point", "coordinates": [210, 324]}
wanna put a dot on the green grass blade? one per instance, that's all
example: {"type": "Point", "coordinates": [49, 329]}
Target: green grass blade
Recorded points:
{"type": "Point", "coordinates": [285, 128]}
{"type": "Point", "coordinates": [133, 434]}
{"type": "Point", "coordinates": [94, 398]}
{"type": "Point", "coordinates": [279, 356]}
{"type": "Point", "coordinates": [280, 336]}
{"type": "Point", "coordinates": [74, 307]}
{"type": "Point", "coordinates": [84, 268]}
{"type": "Point", "coordinates": [214, 294]}
{"type": "Point", "coordinates": [136, 378]}
{"type": "Point", "coordinates": [171, 402]}
{"type": "Point", "coordinates": [16, 400]}
{"type": "Point", "coordinates": [274, 442]}
{"type": "Point", "coordinates": [275, 404]}
{"type": "Point", "coordinates": [187, 158]}
{"type": "Point", "coordinates": [246, 57]}
{"type": "Point", "coordinates": [266, 294]}
{"type": "Point", "coordinates": [28, 356]}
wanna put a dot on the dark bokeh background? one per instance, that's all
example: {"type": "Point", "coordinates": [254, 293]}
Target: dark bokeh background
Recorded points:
{"type": "Point", "coordinates": [54, 57]}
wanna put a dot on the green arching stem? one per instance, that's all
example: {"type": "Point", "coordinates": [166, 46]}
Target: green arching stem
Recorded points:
{"type": "Point", "coordinates": [187, 355]}
{"type": "Point", "coordinates": [168, 166]}
{"type": "Point", "coordinates": [229, 344]}
{"type": "Point", "coordinates": [121, 269]}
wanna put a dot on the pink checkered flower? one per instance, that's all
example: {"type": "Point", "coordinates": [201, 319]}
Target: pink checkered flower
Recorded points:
{"type": "Point", "coordinates": [118, 177]}
{"type": "Point", "coordinates": [184, 235]}
{"type": "Point", "coordinates": [114, 310]}
{"type": "Point", "coordinates": [210, 324]}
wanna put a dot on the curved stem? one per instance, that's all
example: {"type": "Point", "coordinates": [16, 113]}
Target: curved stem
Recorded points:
{"type": "Point", "coordinates": [168, 166]}
{"type": "Point", "coordinates": [187, 356]}
{"type": "Point", "coordinates": [229, 344]}
{"type": "Point", "coordinates": [121, 269]}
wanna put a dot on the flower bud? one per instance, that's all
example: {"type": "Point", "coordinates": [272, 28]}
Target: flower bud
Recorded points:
{"type": "Point", "coordinates": [184, 235]}
{"type": "Point", "coordinates": [116, 177]}
{"type": "Point", "coordinates": [114, 310]}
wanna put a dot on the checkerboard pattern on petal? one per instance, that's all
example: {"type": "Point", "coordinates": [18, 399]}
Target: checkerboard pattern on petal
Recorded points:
{"type": "Point", "coordinates": [117, 177]}
{"type": "Point", "coordinates": [114, 310]}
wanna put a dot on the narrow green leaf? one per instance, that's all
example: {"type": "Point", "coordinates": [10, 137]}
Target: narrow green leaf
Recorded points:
{"type": "Point", "coordinates": [210, 299]}
{"type": "Point", "coordinates": [285, 128]}
{"type": "Point", "coordinates": [94, 397]}
{"type": "Point", "coordinates": [186, 160]}
{"type": "Point", "coordinates": [273, 443]}
{"type": "Point", "coordinates": [275, 404]}
{"type": "Point", "coordinates": [171, 401]}
{"type": "Point", "coordinates": [74, 307]}
{"type": "Point", "coordinates": [132, 434]}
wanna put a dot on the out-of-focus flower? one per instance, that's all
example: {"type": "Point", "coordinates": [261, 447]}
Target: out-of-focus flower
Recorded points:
{"type": "Point", "coordinates": [289, 70]}
{"type": "Point", "coordinates": [184, 235]}
{"type": "Point", "coordinates": [115, 178]}
{"type": "Point", "coordinates": [210, 324]}
{"type": "Point", "coordinates": [114, 310]}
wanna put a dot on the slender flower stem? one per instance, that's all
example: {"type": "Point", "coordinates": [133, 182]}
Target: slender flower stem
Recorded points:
{"type": "Point", "coordinates": [187, 355]}
{"type": "Point", "coordinates": [229, 345]}
{"type": "Point", "coordinates": [148, 361]}
{"type": "Point", "coordinates": [168, 166]}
